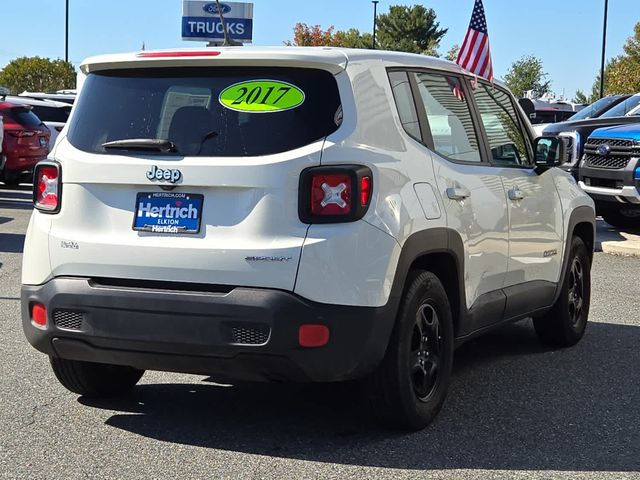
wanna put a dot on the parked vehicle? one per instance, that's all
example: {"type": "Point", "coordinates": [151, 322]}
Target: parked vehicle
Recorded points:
{"type": "Point", "coordinates": [65, 96]}
{"type": "Point", "coordinates": [298, 214]}
{"type": "Point", "coordinates": [25, 143]}
{"type": "Point", "coordinates": [575, 132]}
{"type": "Point", "coordinates": [610, 173]}
{"type": "Point", "coordinates": [53, 114]}
{"type": "Point", "coordinates": [3, 159]}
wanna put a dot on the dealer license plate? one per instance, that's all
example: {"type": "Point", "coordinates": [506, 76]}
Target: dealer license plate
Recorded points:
{"type": "Point", "coordinates": [167, 212]}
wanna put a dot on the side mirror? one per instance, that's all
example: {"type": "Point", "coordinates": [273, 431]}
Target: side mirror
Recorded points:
{"type": "Point", "coordinates": [550, 152]}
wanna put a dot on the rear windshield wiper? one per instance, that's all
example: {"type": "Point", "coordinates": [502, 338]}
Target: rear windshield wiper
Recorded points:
{"type": "Point", "coordinates": [144, 144]}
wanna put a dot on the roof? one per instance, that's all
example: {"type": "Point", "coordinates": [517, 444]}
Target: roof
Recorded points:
{"type": "Point", "coordinates": [332, 58]}
{"type": "Point", "coordinates": [36, 102]}
{"type": "Point", "coordinates": [6, 105]}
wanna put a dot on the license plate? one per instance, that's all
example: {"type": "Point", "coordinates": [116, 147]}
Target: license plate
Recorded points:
{"type": "Point", "coordinates": [43, 141]}
{"type": "Point", "coordinates": [166, 212]}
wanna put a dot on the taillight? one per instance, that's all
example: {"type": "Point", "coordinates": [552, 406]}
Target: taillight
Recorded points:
{"type": "Point", "coordinates": [334, 194]}
{"type": "Point", "coordinates": [47, 187]}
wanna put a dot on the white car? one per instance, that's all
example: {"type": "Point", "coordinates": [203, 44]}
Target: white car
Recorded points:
{"type": "Point", "coordinates": [297, 214]}
{"type": "Point", "coordinates": [53, 114]}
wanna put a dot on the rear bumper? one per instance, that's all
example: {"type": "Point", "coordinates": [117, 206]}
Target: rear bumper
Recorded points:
{"type": "Point", "coordinates": [204, 332]}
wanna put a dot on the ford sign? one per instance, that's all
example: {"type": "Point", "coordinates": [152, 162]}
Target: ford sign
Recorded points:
{"type": "Point", "coordinates": [212, 8]}
{"type": "Point", "coordinates": [603, 149]}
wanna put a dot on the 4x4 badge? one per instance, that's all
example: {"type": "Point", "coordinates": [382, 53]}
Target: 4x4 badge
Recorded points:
{"type": "Point", "coordinates": [172, 175]}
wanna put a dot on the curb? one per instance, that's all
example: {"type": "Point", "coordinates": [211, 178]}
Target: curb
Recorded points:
{"type": "Point", "coordinates": [610, 240]}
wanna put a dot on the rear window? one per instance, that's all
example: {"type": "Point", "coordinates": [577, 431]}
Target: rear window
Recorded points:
{"type": "Point", "coordinates": [265, 111]}
{"type": "Point", "coordinates": [52, 114]}
{"type": "Point", "coordinates": [22, 116]}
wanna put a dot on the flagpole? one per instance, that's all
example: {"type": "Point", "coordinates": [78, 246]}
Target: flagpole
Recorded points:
{"type": "Point", "coordinates": [604, 45]}
{"type": "Point", "coordinates": [375, 9]}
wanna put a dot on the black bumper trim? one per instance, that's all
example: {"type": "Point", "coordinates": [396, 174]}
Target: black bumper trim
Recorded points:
{"type": "Point", "coordinates": [158, 329]}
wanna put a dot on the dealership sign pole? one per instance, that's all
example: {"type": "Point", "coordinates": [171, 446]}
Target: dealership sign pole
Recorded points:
{"type": "Point", "coordinates": [201, 21]}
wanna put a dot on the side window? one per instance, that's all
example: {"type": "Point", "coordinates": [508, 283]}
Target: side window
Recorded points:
{"type": "Point", "coordinates": [507, 141]}
{"type": "Point", "coordinates": [448, 116]}
{"type": "Point", "coordinates": [404, 102]}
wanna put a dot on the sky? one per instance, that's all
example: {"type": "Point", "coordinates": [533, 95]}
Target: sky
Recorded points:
{"type": "Point", "coordinates": [565, 34]}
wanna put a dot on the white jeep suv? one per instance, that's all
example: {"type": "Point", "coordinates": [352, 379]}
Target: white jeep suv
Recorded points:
{"type": "Point", "coordinates": [297, 214]}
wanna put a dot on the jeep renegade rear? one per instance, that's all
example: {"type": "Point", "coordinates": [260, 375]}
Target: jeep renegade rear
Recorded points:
{"type": "Point", "coordinates": [297, 214]}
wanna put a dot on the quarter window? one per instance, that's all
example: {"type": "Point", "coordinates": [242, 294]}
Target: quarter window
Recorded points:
{"type": "Point", "coordinates": [507, 141]}
{"type": "Point", "coordinates": [404, 102]}
{"type": "Point", "coordinates": [449, 117]}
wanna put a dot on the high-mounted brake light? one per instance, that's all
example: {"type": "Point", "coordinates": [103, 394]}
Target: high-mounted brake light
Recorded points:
{"type": "Point", "coordinates": [334, 194]}
{"type": "Point", "coordinates": [47, 187]}
{"type": "Point", "coordinates": [200, 53]}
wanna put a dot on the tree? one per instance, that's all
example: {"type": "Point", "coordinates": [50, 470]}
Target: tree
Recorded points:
{"type": "Point", "coordinates": [37, 74]}
{"type": "Point", "coordinates": [621, 73]}
{"type": "Point", "coordinates": [580, 97]}
{"type": "Point", "coordinates": [313, 36]}
{"type": "Point", "coordinates": [409, 29]}
{"type": "Point", "coordinates": [527, 74]}
{"type": "Point", "coordinates": [453, 52]}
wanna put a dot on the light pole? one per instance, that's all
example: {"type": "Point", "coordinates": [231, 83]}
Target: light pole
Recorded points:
{"type": "Point", "coordinates": [604, 44]}
{"type": "Point", "coordinates": [375, 9]}
{"type": "Point", "coordinates": [66, 31]}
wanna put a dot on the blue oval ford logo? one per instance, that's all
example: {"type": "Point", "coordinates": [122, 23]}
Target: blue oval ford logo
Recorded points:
{"type": "Point", "coordinates": [212, 8]}
{"type": "Point", "coordinates": [603, 149]}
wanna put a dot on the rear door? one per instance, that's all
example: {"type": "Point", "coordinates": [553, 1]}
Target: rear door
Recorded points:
{"type": "Point", "coordinates": [535, 213]}
{"type": "Point", "coordinates": [238, 140]}
{"type": "Point", "coordinates": [471, 188]}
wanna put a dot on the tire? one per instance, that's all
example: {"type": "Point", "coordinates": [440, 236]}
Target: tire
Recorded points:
{"type": "Point", "coordinates": [95, 379]}
{"type": "Point", "coordinates": [623, 218]}
{"type": "Point", "coordinates": [409, 387]}
{"type": "Point", "coordinates": [565, 323]}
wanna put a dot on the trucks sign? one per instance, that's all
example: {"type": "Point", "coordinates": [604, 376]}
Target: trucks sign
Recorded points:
{"type": "Point", "coordinates": [201, 21]}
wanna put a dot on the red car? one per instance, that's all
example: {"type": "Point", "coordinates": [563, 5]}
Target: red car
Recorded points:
{"type": "Point", "coordinates": [25, 143]}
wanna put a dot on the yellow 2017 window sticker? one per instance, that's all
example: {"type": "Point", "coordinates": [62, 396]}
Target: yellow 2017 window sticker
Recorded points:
{"type": "Point", "coordinates": [261, 96]}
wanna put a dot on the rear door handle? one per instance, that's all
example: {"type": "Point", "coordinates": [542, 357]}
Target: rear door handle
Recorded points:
{"type": "Point", "coordinates": [515, 194]}
{"type": "Point", "coordinates": [458, 193]}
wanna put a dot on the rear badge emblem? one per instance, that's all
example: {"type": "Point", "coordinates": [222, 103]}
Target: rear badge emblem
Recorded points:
{"type": "Point", "coordinates": [603, 149]}
{"type": "Point", "coordinates": [172, 175]}
{"type": "Point", "coordinates": [267, 259]}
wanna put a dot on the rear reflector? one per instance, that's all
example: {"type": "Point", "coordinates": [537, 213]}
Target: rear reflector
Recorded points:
{"type": "Point", "coordinates": [311, 335]}
{"type": "Point", "coordinates": [207, 53]}
{"type": "Point", "coordinates": [39, 315]}
{"type": "Point", "coordinates": [46, 187]}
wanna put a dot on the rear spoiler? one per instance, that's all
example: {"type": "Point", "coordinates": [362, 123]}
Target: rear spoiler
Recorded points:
{"type": "Point", "coordinates": [329, 59]}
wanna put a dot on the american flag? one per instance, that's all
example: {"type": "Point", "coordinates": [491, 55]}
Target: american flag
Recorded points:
{"type": "Point", "coordinates": [475, 54]}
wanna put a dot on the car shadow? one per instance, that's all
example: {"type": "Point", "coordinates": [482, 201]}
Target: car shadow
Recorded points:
{"type": "Point", "coordinates": [11, 242]}
{"type": "Point", "coordinates": [513, 405]}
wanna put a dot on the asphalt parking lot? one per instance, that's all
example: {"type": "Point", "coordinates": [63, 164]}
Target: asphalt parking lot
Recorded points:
{"type": "Point", "coordinates": [515, 409]}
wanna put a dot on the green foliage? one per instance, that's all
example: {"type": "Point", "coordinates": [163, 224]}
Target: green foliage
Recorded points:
{"type": "Point", "coordinates": [313, 36]}
{"type": "Point", "coordinates": [453, 52]}
{"type": "Point", "coordinates": [37, 74]}
{"type": "Point", "coordinates": [527, 74]}
{"type": "Point", "coordinates": [621, 73]}
{"type": "Point", "coordinates": [580, 97]}
{"type": "Point", "coordinates": [409, 29]}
